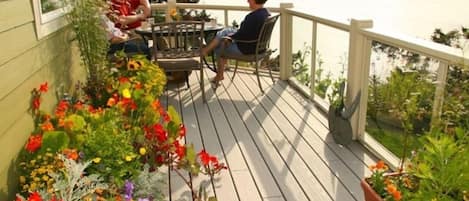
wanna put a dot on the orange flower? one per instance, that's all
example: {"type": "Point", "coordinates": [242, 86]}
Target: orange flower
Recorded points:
{"type": "Point", "coordinates": [111, 102]}
{"type": "Point", "coordinates": [47, 126]}
{"type": "Point", "coordinates": [71, 154]}
{"type": "Point", "coordinates": [391, 188]}
{"type": "Point", "coordinates": [397, 195]}
{"type": "Point", "coordinates": [156, 105]}
{"type": "Point", "coordinates": [381, 165]}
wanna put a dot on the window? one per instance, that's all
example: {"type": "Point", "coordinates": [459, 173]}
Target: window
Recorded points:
{"type": "Point", "coordinates": [49, 16]}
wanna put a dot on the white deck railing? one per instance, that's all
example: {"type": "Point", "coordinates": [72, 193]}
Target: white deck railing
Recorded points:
{"type": "Point", "coordinates": [361, 35]}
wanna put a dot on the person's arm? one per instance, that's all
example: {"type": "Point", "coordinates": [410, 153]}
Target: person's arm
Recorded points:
{"type": "Point", "coordinates": [119, 38]}
{"type": "Point", "coordinates": [145, 6]}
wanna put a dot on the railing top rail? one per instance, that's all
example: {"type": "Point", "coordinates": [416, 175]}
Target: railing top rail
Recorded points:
{"type": "Point", "coordinates": [425, 47]}
{"type": "Point", "coordinates": [418, 45]}
{"type": "Point", "coordinates": [210, 7]}
{"type": "Point", "coordinates": [341, 24]}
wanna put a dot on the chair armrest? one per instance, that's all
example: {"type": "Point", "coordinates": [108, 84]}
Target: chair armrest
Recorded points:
{"type": "Point", "coordinates": [246, 41]}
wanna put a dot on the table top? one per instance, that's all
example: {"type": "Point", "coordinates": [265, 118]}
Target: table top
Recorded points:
{"type": "Point", "coordinates": [208, 28]}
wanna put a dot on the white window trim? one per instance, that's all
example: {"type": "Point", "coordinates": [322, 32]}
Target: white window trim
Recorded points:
{"type": "Point", "coordinates": [49, 22]}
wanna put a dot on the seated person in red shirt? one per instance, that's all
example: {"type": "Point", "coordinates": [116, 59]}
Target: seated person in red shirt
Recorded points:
{"type": "Point", "coordinates": [249, 30]}
{"type": "Point", "coordinates": [120, 41]}
{"type": "Point", "coordinates": [126, 11]}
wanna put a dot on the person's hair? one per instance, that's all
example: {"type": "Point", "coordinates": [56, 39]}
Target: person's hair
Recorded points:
{"type": "Point", "coordinates": [260, 1]}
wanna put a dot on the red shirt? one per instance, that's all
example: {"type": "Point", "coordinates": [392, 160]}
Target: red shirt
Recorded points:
{"type": "Point", "coordinates": [125, 8]}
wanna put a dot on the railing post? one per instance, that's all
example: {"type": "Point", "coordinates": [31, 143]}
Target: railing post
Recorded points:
{"type": "Point", "coordinates": [313, 59]}
{"type": "Point", "coordinates": [285, 41]}
{"type": "Point", "coordinates": [170, 5]}
{"type": "Point", "coordinates": [358, 72]}
{"type": "Point", "coordinates": [442, 75]}
{"type": "Point", "coordinates": [227, 23]}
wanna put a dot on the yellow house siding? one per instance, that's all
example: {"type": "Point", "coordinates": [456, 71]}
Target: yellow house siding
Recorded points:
{"type": "Point", "coordinates": [14, 13]}
{"type": "Point", "coordinates": [16, 41]}
{"type": "Point", "coordinates": [25, 63]}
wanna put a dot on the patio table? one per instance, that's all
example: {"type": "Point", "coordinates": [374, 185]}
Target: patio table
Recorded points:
{"type": "Point", "coordinates": [209, 32]}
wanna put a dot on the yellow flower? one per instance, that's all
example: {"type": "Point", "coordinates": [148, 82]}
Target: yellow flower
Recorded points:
{"type": "Point", "coordinates": [45, 178]}
{"type": "Point", "coordinates": [97, 160]}
{"type": "Point", "coordinates": [22, 179]}
{"type": "Point", "coordinates": [128, 158]}
{"type": "Point", "coordinates": [173, 12]}
{"type": "Point", "coordinates": [133, 65]}
{"type": "Point", "coordinates": [142, 151]}
{"type": "Point", "coordinates": [126, 93]}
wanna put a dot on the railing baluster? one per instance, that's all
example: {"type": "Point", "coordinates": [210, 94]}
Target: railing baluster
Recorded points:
{"type": "Point", "coordinates": [442, 75]}
{"type": "Point", "coordinates": [313, 58]}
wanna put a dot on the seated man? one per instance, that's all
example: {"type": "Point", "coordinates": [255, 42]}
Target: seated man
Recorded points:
{"type": "Point", "coordinates": [249, 30]}
{"type": "Point", "coordinates": [120, 40]}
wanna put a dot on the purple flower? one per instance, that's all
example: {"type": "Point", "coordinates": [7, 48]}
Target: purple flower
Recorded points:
{"type": "Point", "coordinates": [128, 190]}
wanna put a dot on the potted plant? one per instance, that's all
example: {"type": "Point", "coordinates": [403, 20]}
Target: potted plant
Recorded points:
{"type": "Point", "coordinates": [439, 170]}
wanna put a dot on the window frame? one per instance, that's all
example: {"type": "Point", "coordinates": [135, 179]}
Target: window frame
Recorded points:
{"type": "Point", "coordinates": [47, 23]}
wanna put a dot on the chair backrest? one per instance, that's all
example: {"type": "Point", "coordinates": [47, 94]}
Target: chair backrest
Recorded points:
{"type": "Point", "coordinates": [265, 34]}
{"type": "Point", "coordinates": [173, 40]}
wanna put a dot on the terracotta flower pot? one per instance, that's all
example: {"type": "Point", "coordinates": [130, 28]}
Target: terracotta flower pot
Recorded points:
{"type": "Point", "coordinates": [370, 194]}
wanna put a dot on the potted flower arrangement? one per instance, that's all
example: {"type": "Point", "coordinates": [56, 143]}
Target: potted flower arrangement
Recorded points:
{"type": "Point", "coordinates": [439, 170]}
{"type": "Point", "coordinates": [111, 152]}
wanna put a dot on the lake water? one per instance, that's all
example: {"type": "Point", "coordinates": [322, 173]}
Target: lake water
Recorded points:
{"type": "Point", "coordinates": [411, 17]}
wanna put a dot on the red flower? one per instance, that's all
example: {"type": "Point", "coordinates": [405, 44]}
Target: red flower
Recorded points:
{"type": "Point", "coordinates": [36, 103]}
{"type": "Point", "coordinates": [138, 85]}
{"type": "Point", "coordinates": [43, 87]}
{"type": "Point", "coordinates": [204, 157]}
{"type": "Point", "coordinates": [34, 143]}
{"type": "Point", "coordinates": [159, 159]}
{"type": "Point", "coordinates": [166, 117]}
{"type": "Point", "coordinates": [34, 197]}
{"type": "Point", "coordinates": [123, 80]}
{"type": "Point", "coordinates": [78, 105]}
{"type": "Point", "coordinates": [180, 150]}
{"type": "Point", "coordinates": [156, 105]}
{"type": "Point", "coordinates": [182, 130]}
{"type": "Point", "coordinates": [161, 134]}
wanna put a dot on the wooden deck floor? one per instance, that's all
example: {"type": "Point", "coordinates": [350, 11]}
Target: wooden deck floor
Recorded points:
{"type": "Point", "coordinates": [276, 144]}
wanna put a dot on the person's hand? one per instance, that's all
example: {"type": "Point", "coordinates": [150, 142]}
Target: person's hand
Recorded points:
{"type": "Point", "coordinates": [226, 40]}
{"type": "Point", "coordinates": [121, 20]}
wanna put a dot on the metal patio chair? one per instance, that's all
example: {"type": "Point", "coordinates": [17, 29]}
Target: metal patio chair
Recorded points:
{"type": "Point", "coordinates": [262, 51]}
{"type": "Point", "coordinates": [181, 51]}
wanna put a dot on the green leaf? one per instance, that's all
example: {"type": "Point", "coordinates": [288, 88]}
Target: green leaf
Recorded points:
{"type": "Point", "coordinates": [190, 154]}
{"type": "Point", "coordinates": [212, 198]}
{"type": "Point", "coordinates": [55, 141]}
{"type": "Point", "coordinates": [78, 122]}
{"type": "Point", "coordinates": [174, 115]}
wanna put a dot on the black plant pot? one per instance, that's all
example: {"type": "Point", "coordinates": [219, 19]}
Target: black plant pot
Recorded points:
{"type": "Point", "coordinates": [339, 127]}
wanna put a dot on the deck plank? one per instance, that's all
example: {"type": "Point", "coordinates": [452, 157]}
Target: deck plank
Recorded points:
{"type": "Point", "coordinates": [281, 172]}
{"type": "Point", "coordinates": [305, 165]}
{"type": "Point", "coordinates": [276, 144]}
{"type": "Point", "coordinates": [224, 188]}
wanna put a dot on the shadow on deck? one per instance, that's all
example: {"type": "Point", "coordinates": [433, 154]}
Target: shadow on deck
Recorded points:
{"type": "Point", "coordinates": [276, 144]}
